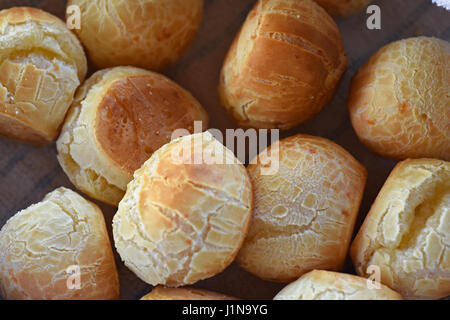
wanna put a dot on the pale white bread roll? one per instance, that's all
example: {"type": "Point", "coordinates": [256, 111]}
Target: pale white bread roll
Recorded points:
{"type": "Point", "coordinates": [399, 100]}
{"type": "Point", "coordinates": [343, 8]}
{"type": "Point", "coordinates": [304, 214]}
{"type": "Point", "coordinates": [327, 285]}
{"type": "Point", "coordinates": [119, 117]}
{"type": "Point", "coordinates": [406, 233]}
{"type": "Point", "coordinates": [163, 293]}
{"type": "Point", "coordinates": [150, 34]}
{"type": "Point", "coordinates": [41, 65]}
{"type": "Point", "coordinates": [283, 66]}
{"type": "Point", "coordinates": [40, 243]}
{"type": "Point", "coordinates": [182, 221]}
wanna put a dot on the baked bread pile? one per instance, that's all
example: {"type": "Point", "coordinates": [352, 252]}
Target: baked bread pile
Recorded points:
{"type": "Point", "coordinates": [186, 206]}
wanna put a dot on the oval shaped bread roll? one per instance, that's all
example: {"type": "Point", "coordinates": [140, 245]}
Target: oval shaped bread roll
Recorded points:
{"type": "Point", "coordinates": [41, 247]}
{"type": "Point", "coordinates": [150, 34]}
{"type": "Point", "coordinates": [162, 293]}
{"type": "Point", "coordinates": [399, 100]}
{"type": "Point", "coordinates": [41, 65]}
{"type": "Point", "coordinates": [406, 233]}
{"type": "Point", "coordinates": [305, 213]}
{"type": "Point", "coordinates": [185, 214]}
{"type": "Point", "coordinates": [343, 8]}
{"type": "Point", "coordinates": [119, 117]}
{"type": "Point", "coordinates": [283, 66]}
{"type": "Point", "coordinates": [327, 285]}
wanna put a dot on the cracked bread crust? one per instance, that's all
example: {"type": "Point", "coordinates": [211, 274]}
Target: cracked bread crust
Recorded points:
{"type": "Point", "coordinates": [399, 101]}
{"type": "Point", "coordinates": [343, 8]}
{"type": "Point", "coordinates": [304, 214]}
{"type": "Point", "coordinates": [162, 293]}
{"type": "Point", "coordinates": [327, 285]}
{"type": "Point", "coordinates": [179, 223]}
{"type": "Point", "coordinates": [150, 34]}
{"type": "Point", "coordinates": [283, 66]}
{"type": "Point", "coordinates": [407, 231]}
{"type": "Point", "coordinates": [119, 117]}
{"type": "Point", "coordinates": [41, 65]}
{"type": "Point", "coordinates": [38, 244]}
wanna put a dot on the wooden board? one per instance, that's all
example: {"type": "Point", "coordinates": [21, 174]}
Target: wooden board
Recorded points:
{"type": "Point", "coordinates": [27, 173]}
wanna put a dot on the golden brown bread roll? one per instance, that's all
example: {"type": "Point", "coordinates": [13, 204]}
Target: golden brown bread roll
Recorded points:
{"type": "Point", "coordinates": [119, 117]}
{"type": "Point", "coordinates": [40, 243]}
{"type": "Point", "coordinates": [303, 215]}
{"type": "Point", "coordinates": [342, 8]}
{"type": "Point", "coordinates": [150, 34]}
{"type": "Point", "coordinates": [181, 222]}
{"type": "Point", "coordinates": [407, 231]}
{"type": "Point", "coordinates": [327, 285]}
{"type": "Point", "coordinates": [41, 65]}
{"type": "Point", "coordinates": [283, 66]}
{"type": "Point", "coordinates": [162, 293]}
{"type": "Point", "coordinates": [399, 100]}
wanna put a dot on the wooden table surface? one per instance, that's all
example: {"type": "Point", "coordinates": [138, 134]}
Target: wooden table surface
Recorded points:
{"type": "Point", "coordinates": [28, 173]}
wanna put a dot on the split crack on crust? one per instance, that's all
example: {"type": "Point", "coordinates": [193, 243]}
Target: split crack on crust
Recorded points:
{"type": "Point", "coordinates": [418, 220]}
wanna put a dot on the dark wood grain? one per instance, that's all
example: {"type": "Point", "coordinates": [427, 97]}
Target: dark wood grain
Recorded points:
{"type": "Point", "coordinates": [27, 173]}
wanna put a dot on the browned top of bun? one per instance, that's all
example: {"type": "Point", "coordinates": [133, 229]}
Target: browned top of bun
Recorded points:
{"type": "Point", "coordinates": [138, 115]}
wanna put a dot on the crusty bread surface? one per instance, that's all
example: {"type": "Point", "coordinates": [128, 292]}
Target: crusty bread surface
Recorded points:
{"type": "Point", "coordinates": [39, 244]}
{"type": "Point", "coordinates": [119, 117]}
{"type": "Point", "coordinates": [406, 233]}
{"type": "Point", "coordinates": [284, 65]}
{"type": "Point", "coordinates": [185, 214]}
{"type": "Point", "coordinates": [304, 214]}
{"type": "Point", "coordinates": [41, 65]}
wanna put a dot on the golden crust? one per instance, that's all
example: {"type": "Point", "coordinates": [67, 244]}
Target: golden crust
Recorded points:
{"type": "Point", "coordinates": [407, 231]}
{"type": "Point", "coordinates": [343, 8]}
{"type": "Point", "coordinates": [399, 101]}
{"type": "Point", "coordinates": [150, 34]}
{"type": "Point", "coordinates": [283, 66]}
{"type": "Point", "coordinates": [38, 244]}
{"type": "Point", "coordinates": [304, 214]}
{"type": "Point", "coordinates": [41, 65]}
{"type": "Point", "coordinates": [178, 222]}
{"type": "Point", "coordinates": [119, 117]}
{"type": "Point", "coordinates": [327, 285]}
{"type": "Point", "coordinates": [162, 293]}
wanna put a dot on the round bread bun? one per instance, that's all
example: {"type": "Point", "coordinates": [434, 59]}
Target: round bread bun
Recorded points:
{"type": "Point", "coordinates": [150, 34]}
{"type": "Point", "coordinates": [343, 8]}
{"type": "Point", "coordinates": [183, 219]}
{"type": "Point", "coordinates": [284, 65]}
{"type": "Point", "coordinates": [327, 285]}
{"type": "Point", "coordinates": [38, 245]}
{"type": "Point", "coordinates": [304, 214]}
{"type": "Point", "coordinates": [406, 233]}
{"type": "Point", "coordinates": [41, 65]}
{"type": "Point", "coordinates": [399, 100]}
{"type": "Point", "coordinates": [162, 293]}
{"type": "Point", "coordinates": [119, 117]}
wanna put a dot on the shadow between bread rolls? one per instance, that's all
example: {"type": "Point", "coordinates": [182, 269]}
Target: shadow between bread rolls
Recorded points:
{"type": "Point", "coordinates": [343, 8]}
{"type": "Point", "coordinates": [304, 214]}
{"type": "Point", "coordinates": [41, 65]}
{"type": "Point", "coordinates": [283, 66]}
{"type": "Point", "coordinates": [119, 117]}
{"type": "Point", "coordinates": [185, 214]}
